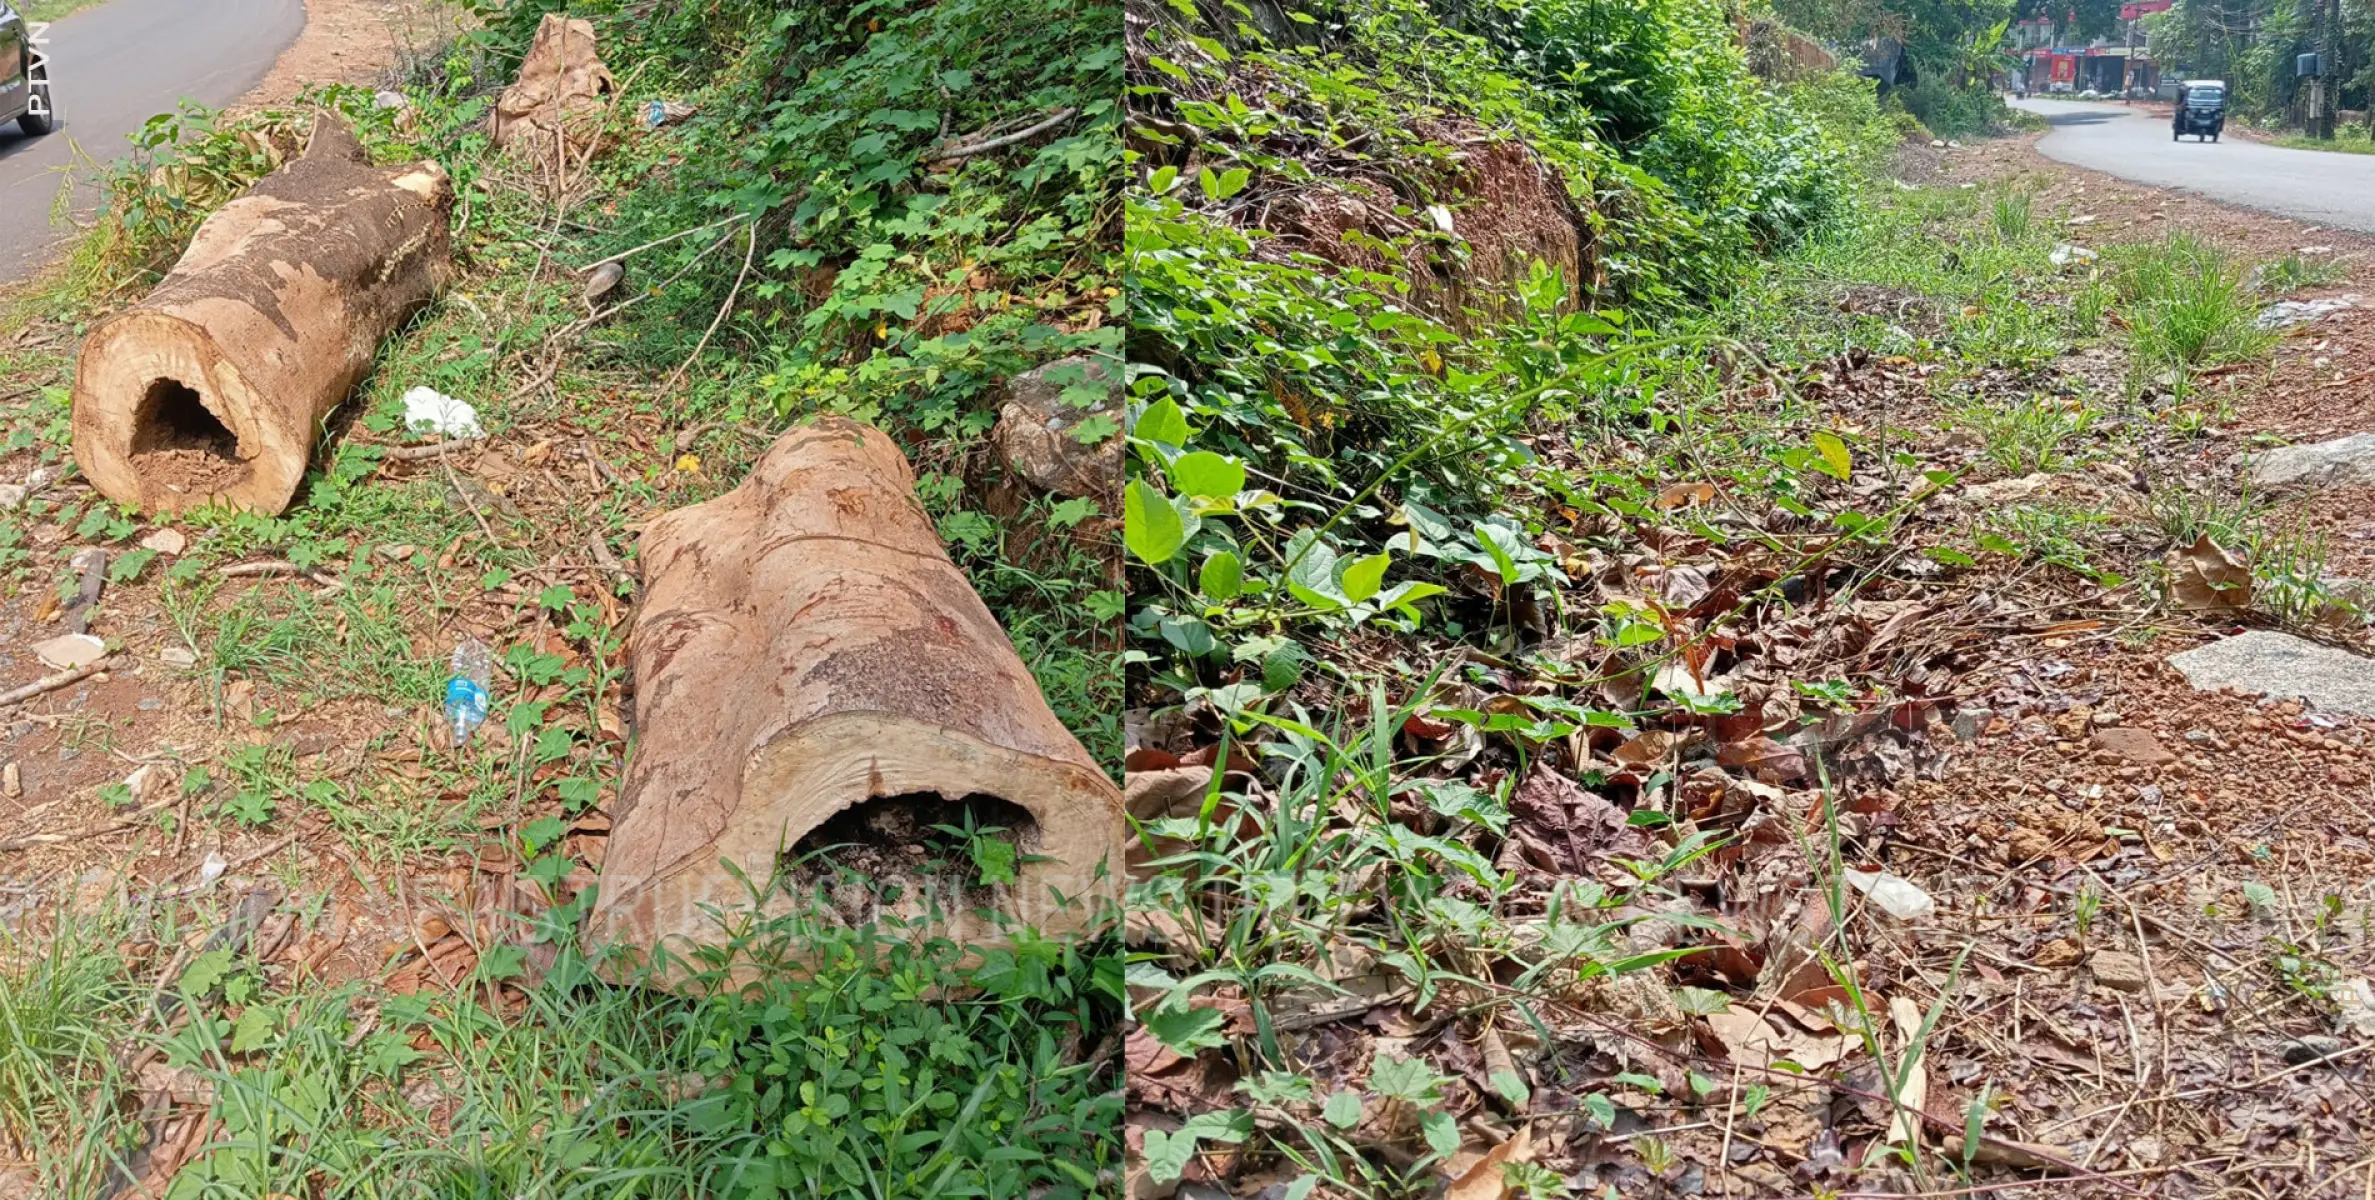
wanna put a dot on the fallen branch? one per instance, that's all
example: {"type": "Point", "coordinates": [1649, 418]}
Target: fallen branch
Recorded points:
{"type": "Point", "coordinates": [432, 450]}
{"type": "Point", "coordinates": [610, 561]}
{"type": "Point", "coordinates": [118, 825]}
{"type": "Point", "coordinates": [51, 683]}
{"type": "Point", "coordinates": [968, 150]}
{"type": "Point", "coordinates": [275, 566]}
{"type": "Point", "coordinates": [586, 446]}
{"type": "Point", "coordinates": [624, 255]}
{"type": "Point", "coordinates": [750, 248]}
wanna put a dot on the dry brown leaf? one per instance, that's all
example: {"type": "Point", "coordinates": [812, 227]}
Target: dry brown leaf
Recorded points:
{"type": "Point", "coordinates": [1681, 494]}
{"type": "Point", "coordinates": [1497, 1060]}
{"type": "Point", "coordinates": [2020, 1156]}
{"type": "Point", "coordinates": [1913, 1088]}
{"type": "Point", "coordinates": [1643, 749]}
{"type": "Point", "coordinates": [2205, 578]}
{"type": "Point", "coordinates": [1483, 1180]}
{"type": "Point", "coordinates": [1752, 1041]}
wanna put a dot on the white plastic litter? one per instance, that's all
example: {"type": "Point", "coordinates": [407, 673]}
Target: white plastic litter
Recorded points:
{"type": "Point", "coordinates": [1896, 895]}
{"type": "Point", "coordinates": [213, 868]}
{"type": "Point", "coordinates": [2065, 254]}
{"type": "Point", "coordinates": [427, 410]}
{"type": "Point", "coordinates": [2297, 312]}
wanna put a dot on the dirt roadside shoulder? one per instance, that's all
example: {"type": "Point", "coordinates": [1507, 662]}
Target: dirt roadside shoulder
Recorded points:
{"type": "Point", "coordinates": [352, 41]}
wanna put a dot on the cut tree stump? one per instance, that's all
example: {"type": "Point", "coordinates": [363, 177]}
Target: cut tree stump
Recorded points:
{"type": "Point", "coordinates": [805, 648]}
{"type": "Point", "coordinates": [214, 388]}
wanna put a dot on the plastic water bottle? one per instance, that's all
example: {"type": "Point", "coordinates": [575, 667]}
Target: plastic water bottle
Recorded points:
{"type": "Point", "coordinates": [466, 691]}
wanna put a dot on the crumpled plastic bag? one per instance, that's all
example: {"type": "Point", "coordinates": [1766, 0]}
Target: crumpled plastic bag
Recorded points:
{"type": "Point", "coordinates": [427, 410]}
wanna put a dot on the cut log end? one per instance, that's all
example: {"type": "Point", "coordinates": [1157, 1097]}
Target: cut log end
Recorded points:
{"type": "Point", "coordinates": [214, 388]}
{"type": "Point", "coordinates": [158, 423]}
{"type": "Point", "coordinates": [807, 660]}
{"type": "Point", "coordinates": [861, 781]}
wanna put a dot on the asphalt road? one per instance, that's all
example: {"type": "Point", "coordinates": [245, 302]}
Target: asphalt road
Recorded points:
{"type": "Point", "coordinates": [2317, 186]}
{"type": "Point", "coordinates": [111, 68]}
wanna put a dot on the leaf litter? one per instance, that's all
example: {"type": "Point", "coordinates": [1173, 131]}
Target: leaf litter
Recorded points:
{"type": "Point", "coordinates": [1891, 863]}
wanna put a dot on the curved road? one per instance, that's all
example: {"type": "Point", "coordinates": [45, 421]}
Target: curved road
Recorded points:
{"type": "Point", "coordinates": [2318, 186]}
{"type": "Point", "coordinates": [111, 68]}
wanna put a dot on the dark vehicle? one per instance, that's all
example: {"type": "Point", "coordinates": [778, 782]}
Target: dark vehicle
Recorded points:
{"type": "Point", "coordinates": [24, 76]}
{"type": "Point", "coordinates": [2201, 109]}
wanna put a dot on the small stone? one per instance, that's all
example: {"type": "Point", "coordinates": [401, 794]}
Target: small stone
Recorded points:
{"type": "Point", "coordinates": [2119, 971]}
{"type": "Point", "coordinates": [12, 495]}
{"type": "Point", "coordinates": [2199, 737]}
{"type": "Point", "coordinates": [2266, 663]}
{"type": "Point", "coordinates": [2135, 745]}
{"type": "Point", "coordinates": [1036, 424]}
{"type": "Point", "coordinates": [2311, 1048]}
{"type": "Point", "coordinates": [2058, 953]}
{"type": "Point", "coordinates": [2343, 462]}
{"type": "Point", "coordinates": [12, 781]}
{"type": "Point", "coordinates": [178, 656]}
{"type": "Point", "coordinates": [1969, 723]}
{"type": "Point", "coordinates": [70, 650]}
{"type": "Point", "coordinates": [167, 542]}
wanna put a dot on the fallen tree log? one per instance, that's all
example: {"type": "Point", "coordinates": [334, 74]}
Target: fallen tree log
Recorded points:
{"type": "Point", "coordinates": [811, 672]}
{"type": "Point", "coordinates": [214, 388]}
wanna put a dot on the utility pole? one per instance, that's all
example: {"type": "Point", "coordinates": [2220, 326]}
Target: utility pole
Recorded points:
{"type": "Point", "coordinates": [2326, 94]}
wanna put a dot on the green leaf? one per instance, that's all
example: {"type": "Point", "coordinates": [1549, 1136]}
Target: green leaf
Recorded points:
{"type": "Point", "coordinates": [1600, 1109]}
{"type": "Point", "coordinates": [1442, 1132]}
{"type": "Point", "coordinates": [1222, 578]}
{"type": "Point", "coordinates": [1835, 460]}
{"type": "Point", "coordinates": [1488, 537]}
{"type": "Point", "coordinates": [1313, 581]}
{"type": "Point", "coordinates": [1203, 473]}
{"type": "Point", "coordinates": [1512, 1087]}
{"type": "Point", "coordinates": [1364, 576]}
{"type": "Point", "coordinates": [1163, 422]}
{"type": "Point", "coordinates": [1184, 1030]}
{"type": "Point", "coordinates": [1282, 668]}
{"type": "Point", "coordinates": [1167, 1154]}
{"type": "Point", "coordinates": [1406, 1079]}
{"type": "Point", "coordinates": [127, 566]}
{"type": "Point", "coordinates": [1343, 1109]}
{"type": "Point", "coordinates": [1162, 180]}
{"type": "Point", "coordinates": [1946, 556]}
{"type": "Point", "coordinates": [205, 972]}
{"type": "Point", "coordinates": [1150, 525]}
{"type": "Point", "coordinates": [256, 1026]}
{"type": "Point", "coordinates": [1223, 185]}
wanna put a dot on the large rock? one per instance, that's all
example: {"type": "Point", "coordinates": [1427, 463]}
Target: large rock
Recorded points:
{"type": "Point", "coordinates": [2277, 664]}
{"type": "Point", "coordinates": [2343, 462]}
{"type": "Point", "coordinates": [1038, 427]}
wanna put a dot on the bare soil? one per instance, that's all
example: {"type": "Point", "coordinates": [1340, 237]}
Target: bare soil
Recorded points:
{"type": "Point", "coordinates": [352, 41]}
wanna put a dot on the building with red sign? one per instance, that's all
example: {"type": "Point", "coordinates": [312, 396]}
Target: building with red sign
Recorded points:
{"type": "Point", "coordinates": [2120, 65]}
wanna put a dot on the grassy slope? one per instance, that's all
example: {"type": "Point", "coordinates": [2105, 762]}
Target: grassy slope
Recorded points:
{"type": "Point", "coordinates": [1464, 818]}
{"type": "Point", "coordinates": [303, 730]}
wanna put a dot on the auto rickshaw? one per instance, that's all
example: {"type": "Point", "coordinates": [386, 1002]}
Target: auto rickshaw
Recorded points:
{"type": "Point", "coordinates": [2201, 110]}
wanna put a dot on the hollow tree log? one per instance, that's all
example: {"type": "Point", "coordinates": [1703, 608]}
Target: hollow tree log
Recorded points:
{"type": "Point", "coordinates": [804, 646]}
{"type": "Point", "coordinates": [214, 388]}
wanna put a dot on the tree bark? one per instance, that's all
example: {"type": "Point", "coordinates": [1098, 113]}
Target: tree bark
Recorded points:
{"type": "Point", "coordinates": [214, 388]}
{"type": "Point", "coordinates": [804, 645]}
